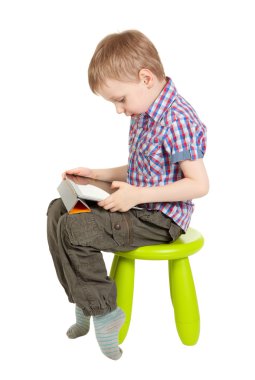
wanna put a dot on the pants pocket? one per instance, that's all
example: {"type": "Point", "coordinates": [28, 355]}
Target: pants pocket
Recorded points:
{"type": "Point", "coordinates": [175, 231]}
{"type": "Point", "coordinates": [83, 230]}
{"type": "Point", "coordinates": [161, 221]}
{"type": "Point", "coordinates": [156, 218]}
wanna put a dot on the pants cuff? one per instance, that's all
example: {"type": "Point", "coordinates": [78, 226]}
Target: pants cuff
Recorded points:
{"type": "Point", "coordinates": [95, 310]}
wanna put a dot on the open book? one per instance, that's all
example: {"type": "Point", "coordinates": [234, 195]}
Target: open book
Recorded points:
{"type": "Point", "coordinates": [75, 190]}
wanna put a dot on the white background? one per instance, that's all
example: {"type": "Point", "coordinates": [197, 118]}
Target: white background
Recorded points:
{"type": "Point", "coordinates": [50, 121]}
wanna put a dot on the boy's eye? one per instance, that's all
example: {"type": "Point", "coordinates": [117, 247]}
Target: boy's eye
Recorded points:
{"type": "Point", "coordinates": [122, 100]}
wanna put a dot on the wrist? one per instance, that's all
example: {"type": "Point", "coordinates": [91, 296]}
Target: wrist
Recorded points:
{"type": "Point", "coordinates": [140, 195]}
{"type": "Point", "coordinates": [93, 174]}
{"type": "Point", "coordinates": [148, 194]}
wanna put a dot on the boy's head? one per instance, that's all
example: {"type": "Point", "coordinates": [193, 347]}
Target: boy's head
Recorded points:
{"type": "Point", "coordinates": [123, 68]}
{"type": "Point", "coordinates": [121, 56]}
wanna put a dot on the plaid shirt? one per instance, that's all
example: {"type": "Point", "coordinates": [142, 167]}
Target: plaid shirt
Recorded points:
{"type": "Point", "coordinates": [167, 133]}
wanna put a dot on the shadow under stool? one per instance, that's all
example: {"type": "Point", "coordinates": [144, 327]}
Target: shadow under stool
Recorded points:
{"type": "Point", "coordinates": [182, 288]}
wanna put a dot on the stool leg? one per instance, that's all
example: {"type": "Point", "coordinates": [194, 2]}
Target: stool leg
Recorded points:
{"type": "Point", "coordinates": [114, 266]}
{"type": "Point", "coordinates": [170, 279]}
{"type": "Point", "coordinates": [184, 301]}
{"type": "Point", "coordinates": [123, 273]}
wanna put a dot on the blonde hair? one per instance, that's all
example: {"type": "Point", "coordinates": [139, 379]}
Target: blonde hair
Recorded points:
{"type": "Point", "coordinates": [121, 56]}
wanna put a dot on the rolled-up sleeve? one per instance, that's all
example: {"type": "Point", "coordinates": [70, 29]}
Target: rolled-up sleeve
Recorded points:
{"type": "Point", "coordinates": [185, 140]}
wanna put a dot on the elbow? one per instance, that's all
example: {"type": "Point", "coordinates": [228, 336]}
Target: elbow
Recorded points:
{"type": "Point", "coordinates": [203, 188]}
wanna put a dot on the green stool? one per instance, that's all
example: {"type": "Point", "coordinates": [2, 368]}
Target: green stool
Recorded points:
{"type": "Point", "coordinates": [182, 288]}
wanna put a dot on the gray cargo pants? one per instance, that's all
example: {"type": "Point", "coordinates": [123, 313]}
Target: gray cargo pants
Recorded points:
{"type": "Point", "coordinates": [76, 241]}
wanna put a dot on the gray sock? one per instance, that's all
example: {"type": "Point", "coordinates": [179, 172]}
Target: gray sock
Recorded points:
{"type": "Point", "coordinates": [107, 329]}
{"type": "Point", "coordinates": [81, 327]}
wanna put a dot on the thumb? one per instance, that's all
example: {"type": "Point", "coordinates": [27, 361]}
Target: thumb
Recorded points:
{"type": "Point", "coordinates": [115, 184]}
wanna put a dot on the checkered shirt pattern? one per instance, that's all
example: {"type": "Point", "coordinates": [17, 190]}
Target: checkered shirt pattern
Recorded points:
{"type": "Point", "coordinates": [167, 133]}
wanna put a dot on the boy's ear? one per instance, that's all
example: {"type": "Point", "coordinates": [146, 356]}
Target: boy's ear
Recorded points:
{"type": "Point", "coordinates": [146, 76]}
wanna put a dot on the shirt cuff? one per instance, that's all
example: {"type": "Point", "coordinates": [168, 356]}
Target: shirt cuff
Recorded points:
{"type": "Point", "coordinates": [186, 155]}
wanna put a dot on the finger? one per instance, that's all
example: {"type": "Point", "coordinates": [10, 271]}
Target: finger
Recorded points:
{"type": "Point", "coordinates": [103, 202]}
{"type": "Point", "coordinates": [109, 206]}
{"type": "Point", "coordinates": [119, 209]}
{"type": "Point", "coordinates": [75, 171]}
{"type": "Point", "coordinates": [115, 184]}
{"type": "Point", "coordinates": [71, 172]}
{"type": "Point", "coordinates": [114, 209]}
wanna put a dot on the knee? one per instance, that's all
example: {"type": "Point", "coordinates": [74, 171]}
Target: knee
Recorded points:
{"type": "Point", "coordinates": [56, 208]}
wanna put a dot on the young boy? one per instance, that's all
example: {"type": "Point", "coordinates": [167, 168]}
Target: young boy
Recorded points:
{"type": "Point", "coordinates": [165, 170]}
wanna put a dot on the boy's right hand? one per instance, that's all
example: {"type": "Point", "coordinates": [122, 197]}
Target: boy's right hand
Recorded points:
{"type": "Point", "coordinates": [83, 172]}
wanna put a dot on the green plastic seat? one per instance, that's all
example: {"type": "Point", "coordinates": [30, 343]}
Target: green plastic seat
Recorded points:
{"type": "Point", "coordinates": [182, 288]}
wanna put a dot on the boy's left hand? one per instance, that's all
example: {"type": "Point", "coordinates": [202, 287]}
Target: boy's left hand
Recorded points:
{"type": "Point", "coordinates": [122, 199]}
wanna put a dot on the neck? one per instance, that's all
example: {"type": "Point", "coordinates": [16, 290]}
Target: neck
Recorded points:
{"type": "Point", "coordinates": [159, 85]}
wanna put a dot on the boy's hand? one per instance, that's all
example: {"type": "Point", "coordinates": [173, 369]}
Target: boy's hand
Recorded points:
{"type": "Point", "coordinates": [122, 199]}
{"type": "Point", "coordinates": [83, 172]}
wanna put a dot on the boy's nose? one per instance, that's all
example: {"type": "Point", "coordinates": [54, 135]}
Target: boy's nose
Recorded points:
{"type": "Point", "coordinates": [119, 108]}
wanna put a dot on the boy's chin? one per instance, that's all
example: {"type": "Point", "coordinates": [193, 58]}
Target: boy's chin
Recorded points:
{"type": "Point", "coordinates": [132, 114]}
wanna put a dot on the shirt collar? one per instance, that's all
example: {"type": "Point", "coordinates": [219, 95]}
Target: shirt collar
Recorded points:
{"type": "Point", "coordinates": [163, 101]}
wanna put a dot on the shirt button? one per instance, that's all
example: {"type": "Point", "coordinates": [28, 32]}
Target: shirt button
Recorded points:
{"type": "Point", "coordinates": [117, 227]}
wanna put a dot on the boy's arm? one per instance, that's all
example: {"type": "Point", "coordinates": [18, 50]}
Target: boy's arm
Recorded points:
{"type": "Point", "coordinates": [195, 184]}
{"type": "Point", "coordinates": [111, 174]}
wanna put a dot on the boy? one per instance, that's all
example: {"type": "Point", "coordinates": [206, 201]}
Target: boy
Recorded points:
{"type": "Point", "coordinates": [165, 171]}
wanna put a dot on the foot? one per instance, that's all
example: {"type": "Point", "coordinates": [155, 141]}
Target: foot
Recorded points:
{"type": "Point", "coordinates": [107, 329]}
{"type": "Point", "coordinates": [81, 327]}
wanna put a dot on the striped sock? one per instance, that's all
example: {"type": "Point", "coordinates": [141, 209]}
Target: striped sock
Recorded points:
{"type": "Point", "coordinates": [107, 329]}
{"type": "Point", "coordinates": [81, 327]}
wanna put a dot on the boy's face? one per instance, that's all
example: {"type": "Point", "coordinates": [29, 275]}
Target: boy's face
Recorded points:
{"type": "Point", "coordinates": [130, 98]}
